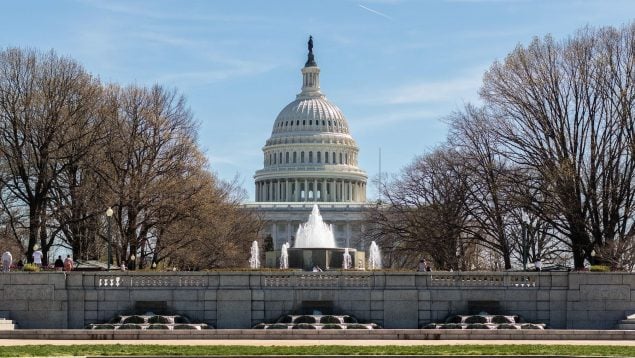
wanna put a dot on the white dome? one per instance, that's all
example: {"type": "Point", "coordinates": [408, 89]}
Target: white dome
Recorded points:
{"type": "Point", "coordinates": [312, 114]}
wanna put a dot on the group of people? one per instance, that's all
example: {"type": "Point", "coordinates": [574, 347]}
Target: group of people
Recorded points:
{"type": "Point", "coordinates": [65, 265]}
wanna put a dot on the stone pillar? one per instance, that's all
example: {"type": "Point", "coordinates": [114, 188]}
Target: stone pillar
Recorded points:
{"type": "Point", "coordinates": [274, 234]}
{"type": "Point", "coordinates": [350, 191]}
{"type": "Point", "coordinates": [297, 191]}
{"type": "Point", "coordinates": [306, 190]}
{"type": "Point", "coordinates": [315, 190]}
{"type": "Point", "coordinates": [348, 234]}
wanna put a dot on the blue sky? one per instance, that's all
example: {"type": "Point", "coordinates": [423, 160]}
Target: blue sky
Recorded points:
{"type": "Point", "coordinates": [395, 68]}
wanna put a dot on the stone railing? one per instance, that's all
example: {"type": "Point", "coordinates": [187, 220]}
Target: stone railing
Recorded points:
{"type": "Point", "coordinates": [465, 279]}
{"type": "Point", "coordinates": [333, 279]}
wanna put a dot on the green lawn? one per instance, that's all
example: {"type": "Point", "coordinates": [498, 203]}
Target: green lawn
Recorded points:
{"type": "Point", "coordinates": [127, 349]}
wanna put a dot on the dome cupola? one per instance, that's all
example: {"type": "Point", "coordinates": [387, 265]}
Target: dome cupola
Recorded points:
{"type": "Point", "coordinates": [310, 155]}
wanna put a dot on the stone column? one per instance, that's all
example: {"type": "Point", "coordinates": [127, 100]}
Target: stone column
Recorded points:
{"type": "Point", "coordinates": [306, 190]}
{"type": "Point", "coordinates": [348, 234]}
{"type": "Point", "coordinates": [350, 191]}
{"type": "Point", "coordinates": [297, 191]}
{"type": "Point", "coordinates": [274, 234]}
{"type": "Point", "coordinates": [315, 190]}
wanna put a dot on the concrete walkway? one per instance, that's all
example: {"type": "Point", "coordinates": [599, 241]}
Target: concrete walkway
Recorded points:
{"type": "Point", "coordinates": [311, 342]}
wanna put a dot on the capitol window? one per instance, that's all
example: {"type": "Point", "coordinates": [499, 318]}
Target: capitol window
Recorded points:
{"type": "Point", "coordinates": [310, 157]}
{"type": "Point", "coordinates": [287, 157]}
{"type": "Point", "coordinates": [326, 157]}
{"type": "Point", "coordinates": [295, 157]}
{"type": "Point", "coordinates": [301, 157]}
{"type": "Point", "coordinates": [319, 157]}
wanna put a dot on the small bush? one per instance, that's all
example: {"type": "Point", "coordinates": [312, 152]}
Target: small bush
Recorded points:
{"type": "Point", "coordinates": [356, 326]}
{"type": "Point", "coordinates": [159, 319]}
{"type": "Point", "coordinates": [450, 326]}
{"type": "Point", "coordinates": [430, 326]}
{"type": "Point", "coordinates": [454, 319]}
{"type": "Point", "coordinates": [158, 326]}
{"type": "Point", "coordinates": [31, 268]}
{"type": "Point", "coordinates": [129, 326]}
{"type": "Point", "coordinates": [502, 319]}
{"type": "Point", "coordinates": [477, 326]}
{"type": "Point", "coordinates": [278, 326]}
{"type": "Point", "coordinates": [507, 326]}
{"type": "Point", "coordinates": [350, 319]}
{"type": "Point", "coordinates": [599, 268]}
{"type": "Point", "coordinates": [305, 319]}
{"type": "Point", "coordinates": [134, 319]}
{"type": "Point", "coordinates": [476, 319]}
{"type": "Point", "coordinates": [331, 326]}
{"type": "Point", "coordinates": [285, 319]}
{"type": "Point", "coordinates": [103, 326]}
{"type": "Point", "coordinates": [183, 326]}
{"type": "Point", "coordinates": [260, 326]}
{"type": "Point", "coordinates": [530, 326]}
{"type": "Point", "coordinates": [303, 326]}
{"type": "Point", "coordinates": [330, 319]}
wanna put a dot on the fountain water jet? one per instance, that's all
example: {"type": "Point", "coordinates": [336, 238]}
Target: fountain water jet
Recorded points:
{"type": "Point", "coordinates": [284, 256]}
{"type": "Point", "coordinates": [374, 257]}
{"type": "Point", "coordinates": [346, 262]}
{"type": "Point", "coordinates": [254, 260]}
{"type": "Point", "coordinates": [315, 233]}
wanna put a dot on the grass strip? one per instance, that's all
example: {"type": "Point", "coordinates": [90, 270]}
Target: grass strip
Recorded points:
{"type": "Point", "coordinates": [168, 350]}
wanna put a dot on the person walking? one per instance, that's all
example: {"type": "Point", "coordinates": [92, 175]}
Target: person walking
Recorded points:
{"type": "Point", "coordinates": [7, 259]}
{"type": "Point", "coordinates": [59, 264]}
{"type": "Point", "coordinates": [37, 257]}
{"type": "Point", "coordinates": [422, 265]}
{"type": "Point", "coordinates": [68, 264]}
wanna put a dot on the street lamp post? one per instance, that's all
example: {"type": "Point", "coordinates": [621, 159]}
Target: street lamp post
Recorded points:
{"type": "Point", "coordinates": [132, 262]}
{"type": "Point", "coordinates": [108, 216]}
{"type": "Point", "coordinates": [524, 223]}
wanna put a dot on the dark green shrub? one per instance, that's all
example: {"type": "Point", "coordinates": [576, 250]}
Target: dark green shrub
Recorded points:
{"type": "Point", "coordinates": [430, 326]}
{"type": "Point", "coordinates": [181, 319]}
{"type": "Point", "coordinates": [502, 319]}
{"type": "Point", "coordinates": [599, 268]}
{"type": "Point", "coordinates": [134, 319]}
{"type": "Point", "coordinates": [330, 319]}
{"type": "Point", "coordinates": [350, 319]}
{"type": "Point", "coordinates": [530, 326]}
{"type": "Point", "coordinates": [303, 326]}
{"type": "Point", "coordinates": [183, 326]}
{"type": "Point", "coordinates": [305, 319]}
{"type": "Point", "coordinates": [103, 326]}
{"type": "Point", "coordinates": [158, 326]}
{"type": "Point", "coordinates": [159, 319]}
{"type": "Point", "coordinates": [129, 326]}
{"type": "Point", "coordinates": [278, 326]}
{"type": "Point", "coordinates": [356, 326]}
{"type": "Point", "coordinates": [331, 326]}
{"type": "Point", "coordinates": [476, 319]}
{"type": "Point", "coordinates": [454, 319]}
{"type": "Point", "coordinates": [285, 319]}
{"type": "Point", "coordinates": [507, 326]}
{"type": "Point", "coordinates": [477, 326]}
{"type": "Point", "coordinates": [450, 326]}
{"type": "Point", "coordinates": [259, 326]}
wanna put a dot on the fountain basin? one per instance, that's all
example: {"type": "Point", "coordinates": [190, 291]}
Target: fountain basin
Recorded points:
{"type": "Point", "coordinates": [325, 258]}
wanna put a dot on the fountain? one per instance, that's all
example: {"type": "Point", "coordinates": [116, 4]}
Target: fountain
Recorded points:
{"type": "Point", "coordinates": [315, 232]}
{"type": "Point", "coordinates": [315, 247]}
{"type": "Point", "coordinates": [284, 256]}
{"type": "Point", "coordinates": [374, 257]}
{"type": "Point", "coordinates": [346, 264]}
{"type": "Point", "coordinates": [254, 260]}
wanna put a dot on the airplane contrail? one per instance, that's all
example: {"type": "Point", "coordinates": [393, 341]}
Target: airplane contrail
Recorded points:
{"type": "Point", "coordinates": [375, 12]}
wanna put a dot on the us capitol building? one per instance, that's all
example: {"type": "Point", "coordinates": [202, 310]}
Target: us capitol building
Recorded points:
{"type": "Point", "coordinates": [311, 158]}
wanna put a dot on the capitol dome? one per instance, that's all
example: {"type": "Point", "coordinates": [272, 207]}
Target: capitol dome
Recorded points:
{"type": "Point", "coordinates": [310, 156]}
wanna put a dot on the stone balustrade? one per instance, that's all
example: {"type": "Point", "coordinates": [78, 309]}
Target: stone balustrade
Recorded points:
{"type": "Point", "coordinates": [241, 299]}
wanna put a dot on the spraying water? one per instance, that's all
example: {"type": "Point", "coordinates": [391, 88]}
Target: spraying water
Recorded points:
{"type": "Point", "coordinates": [347, 261]}
{"type": "Point", "coordinates": [254, 260]}
{"type": "Point", "coordinates": [315, 233]}
{"type": "Point", "coordinates": [284, 256]}
{"type": "Point", "coordinates": [374, 257]}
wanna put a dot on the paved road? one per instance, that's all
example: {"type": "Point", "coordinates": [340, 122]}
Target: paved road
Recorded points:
{"type": "Point", "coordinates": [311, 342]}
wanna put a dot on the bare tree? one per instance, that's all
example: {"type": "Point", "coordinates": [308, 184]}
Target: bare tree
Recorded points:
{"type": "Point", "coordinates": [46, 105]}
{"type": "Point", "coordinates": [424, 214]}
{"type": "Point", "coordinates": [564, 109]}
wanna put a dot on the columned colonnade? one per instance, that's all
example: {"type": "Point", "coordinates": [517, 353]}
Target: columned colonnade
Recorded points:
{"type": "Point", "coordinates": [311, 190]}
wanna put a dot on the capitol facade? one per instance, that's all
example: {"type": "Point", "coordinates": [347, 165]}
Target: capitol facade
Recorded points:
{"type": "Point", "coordinates": [311, 158]}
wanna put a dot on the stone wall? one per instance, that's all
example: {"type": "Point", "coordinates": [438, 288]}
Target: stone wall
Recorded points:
{"type": "Point", "coordinates": [392, 299]}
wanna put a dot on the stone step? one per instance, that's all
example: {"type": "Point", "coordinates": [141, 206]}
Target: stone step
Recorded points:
{"type": "Point", "coordinates": [626, 324]}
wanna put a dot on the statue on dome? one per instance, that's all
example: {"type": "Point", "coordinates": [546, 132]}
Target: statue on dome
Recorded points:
{"type": "Point", "coordinates": [310, 44]}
